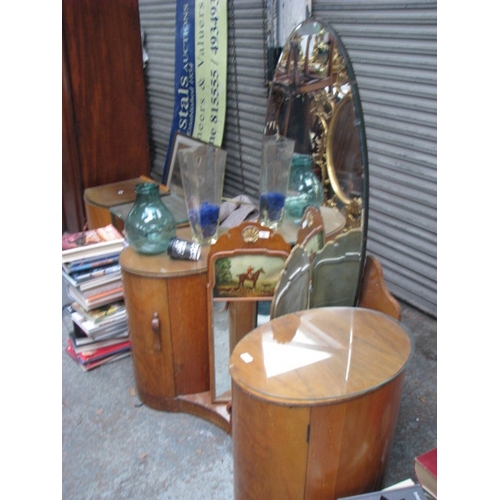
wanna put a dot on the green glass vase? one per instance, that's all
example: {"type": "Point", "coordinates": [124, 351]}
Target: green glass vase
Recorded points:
{"type": "Point", "coordinates": [304, 188]}
{"type": "Point", "coordinates": [149, 226]}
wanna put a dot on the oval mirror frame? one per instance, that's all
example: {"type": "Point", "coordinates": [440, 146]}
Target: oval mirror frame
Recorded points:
{"type": "Point", "coordinates": [314, 99]}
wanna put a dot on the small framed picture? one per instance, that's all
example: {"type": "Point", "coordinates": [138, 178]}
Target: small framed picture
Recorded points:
{"type": "Point", "coordinates": [181, 141]}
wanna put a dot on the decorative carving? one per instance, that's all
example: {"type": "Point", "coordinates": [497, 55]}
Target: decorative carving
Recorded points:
{"type": "Point", "coordinates": [250, 234]}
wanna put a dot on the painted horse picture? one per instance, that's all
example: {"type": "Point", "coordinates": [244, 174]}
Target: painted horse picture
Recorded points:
{"type": "Point", "coordinates": [247, 276]}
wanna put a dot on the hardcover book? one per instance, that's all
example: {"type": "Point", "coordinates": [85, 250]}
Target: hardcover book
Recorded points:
{"type": "Point", "coordinates": [83, 343]}
{"type": "Point", "coordinates": [426, 471]}
{"type": "Point", "coordinates": [92, 277]}
{"type": "Point", "coordinates": [91, 243]}
{"type": "Point", "coordinates": [414, 492]}
{"type": "Point", "coordinates": [104, 314]}
{"type": "Point", "coordinates": [103, 352]}
{"type": "Point", "coordinates": [90, 263]}
{"type": "Point", "coordinates": [98, 300]}
{"type": "Point", "coordinates": [98, 330]}
{"type": "Point", "coordinates": [94, 364]}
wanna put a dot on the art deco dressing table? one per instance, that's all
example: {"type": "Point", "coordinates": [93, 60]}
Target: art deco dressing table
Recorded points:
{"type": "Point", "coordinates": [315, 400]}
{"type": "Point", "coordinates": [168, 324]}
{"type": "Point", "coordinates": [315, 394]}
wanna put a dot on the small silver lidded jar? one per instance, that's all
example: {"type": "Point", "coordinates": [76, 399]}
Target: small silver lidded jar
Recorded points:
{"type": "Point", "coordinates": [183, 249]}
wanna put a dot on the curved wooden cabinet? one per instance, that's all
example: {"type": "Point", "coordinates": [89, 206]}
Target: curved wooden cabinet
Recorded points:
{"type": "Point", "coordinates": [166, 303]}
{"type": "Point", "coordinates": [315, 403]}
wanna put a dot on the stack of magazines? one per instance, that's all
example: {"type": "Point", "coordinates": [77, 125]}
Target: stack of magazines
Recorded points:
{"type": "Point", "coordinates": [92, 274]}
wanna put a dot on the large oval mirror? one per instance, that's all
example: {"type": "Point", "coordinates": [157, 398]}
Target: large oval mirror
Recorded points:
{"type": "Point", "coordinates": [314, 100]}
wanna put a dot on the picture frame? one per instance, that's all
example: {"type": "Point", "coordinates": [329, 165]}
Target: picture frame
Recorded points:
{"type": "Point", "coordinates": [250, 276]}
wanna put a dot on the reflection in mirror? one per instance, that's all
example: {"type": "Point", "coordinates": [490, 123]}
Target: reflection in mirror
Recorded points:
{"type": "Point", "coordinates": [335, 271]}
{"type": "Point", "coordinates": [292, 290]}
{"type": "Point", "coordinates": [221, 350]}
{"type": "Point", "coordinates": [314, 99]}
{"type": "Point", "coordinates": [225, 340]}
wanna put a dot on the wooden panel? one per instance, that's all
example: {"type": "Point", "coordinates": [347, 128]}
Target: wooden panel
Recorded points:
{"type": "Point", "coordinates": [350, 443]}
{"type": "Point", "coordinates": [153, 363]}
{"type": "Point", "coordinates": [187, 299]}
{"type": "Point", "coordinates": [242, 319]}
{"type": "Point", "coordinates": [269, 447]}
{"type": "Point", "coordinates": [374, 292]}
{"type": "Point", "coordinates": [72, 186]}
{"type": "Point", "coordinates": [106, 83]}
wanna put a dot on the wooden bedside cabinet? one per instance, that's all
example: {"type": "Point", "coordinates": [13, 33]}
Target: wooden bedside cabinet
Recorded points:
{"type": "Point", "coordinates": [166, 303]}
{"type": "Point", "coordinates": [315, 403]}
{"type": "Point", "coordinates": [99, 200]}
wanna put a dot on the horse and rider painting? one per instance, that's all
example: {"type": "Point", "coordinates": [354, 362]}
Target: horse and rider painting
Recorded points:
{"type": "Point", "coordinates": [246, 276]}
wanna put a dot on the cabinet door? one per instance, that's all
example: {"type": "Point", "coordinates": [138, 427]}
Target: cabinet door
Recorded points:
{"type": "Point", "coordinates": [350, 443]}
{"type": "Point", "coordinates": [187, 298]}
{"type": "Point", "coordinates": [149, 325]}
{"type": "Point", "coordinates": [269, 448]}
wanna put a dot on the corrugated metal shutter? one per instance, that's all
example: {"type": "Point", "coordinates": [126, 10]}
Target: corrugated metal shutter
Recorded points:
{"type": "Point", "coordinates": [246, 88]}
{"type": "Point", "coordinates": [392, 47]}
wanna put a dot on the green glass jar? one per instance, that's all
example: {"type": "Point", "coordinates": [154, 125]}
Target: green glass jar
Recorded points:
{"type": "Point", "coordinates": [304, 188]}
{"type": "Point", "coordinates": [149, 226]}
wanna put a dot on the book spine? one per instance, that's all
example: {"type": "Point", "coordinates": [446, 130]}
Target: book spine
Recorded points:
{"type": "Point", "coordinates": [96, 250]}
{"type": "Point", "coordinates": [105, 293]}
{"type": "Point", "coordinates": [83, 265]}
{"type": "Point", "coordinates": [95, 273]}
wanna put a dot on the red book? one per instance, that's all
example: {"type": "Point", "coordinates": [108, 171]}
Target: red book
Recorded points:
{"type": "Point", "coordinates": [98, 354]}
{"type": "Point", "coordinates": [102, 352]}
{"type": "Point", "coordinates": [90, 366]}
{"type": "Point", "coordinates": [426, 471]}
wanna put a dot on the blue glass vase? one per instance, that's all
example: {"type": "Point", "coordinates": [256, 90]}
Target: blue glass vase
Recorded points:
{"type": "Point", "coordinates": [149, 226]}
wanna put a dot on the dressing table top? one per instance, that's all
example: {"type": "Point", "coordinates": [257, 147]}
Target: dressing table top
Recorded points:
{"type": "Point", "coordinates": [161, 265]}
{"type": "Point", "coordinates": [320, 355]}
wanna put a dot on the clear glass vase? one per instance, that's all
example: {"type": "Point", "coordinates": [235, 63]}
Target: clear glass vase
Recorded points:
{"type": "Point", "coordinates": [304, 187]}
{"type": "Point", "coordinates": [277, 152]}
{"type": "Point", "coordinates": [202, 170]}
{"type": "Point", "coordinates": [149, 226]}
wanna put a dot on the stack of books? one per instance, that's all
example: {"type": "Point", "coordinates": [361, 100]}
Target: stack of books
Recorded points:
{"type": "Point", "coordinates": [99, 336]}
{"type": "Point", "coordinates": [93, 279]}
{"type": "Point", "coordinates": [90, 266]}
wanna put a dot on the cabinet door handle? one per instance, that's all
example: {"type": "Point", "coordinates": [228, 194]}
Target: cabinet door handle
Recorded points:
{"type": "Point", "coordinates": [155, 326]}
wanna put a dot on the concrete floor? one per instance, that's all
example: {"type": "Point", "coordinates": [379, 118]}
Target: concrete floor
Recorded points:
{"type": "Point", "coordinates": [114, 447]}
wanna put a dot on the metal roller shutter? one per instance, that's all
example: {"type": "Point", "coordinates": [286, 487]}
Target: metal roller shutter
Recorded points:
{"type": "Point", "coordinates": [246, 88]}
{"type": "Point", "coordinates": [392, 46]}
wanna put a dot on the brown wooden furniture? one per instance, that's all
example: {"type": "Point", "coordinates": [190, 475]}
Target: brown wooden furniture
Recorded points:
{"type": "Point", "coordinates": [374, 292]}
{"type": "Point", "coordinates": [251, 258]}
{"type": "Point", "coordinates": [315, 400]}
{"type": "Point", "coordinates": [105, 133]}
{"type": "Point", "coordinates": [167, 312]}
{"type": "Point", "coordinates": [99, 201]}
{"type": "Point", "coordinates": [315, 228]}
